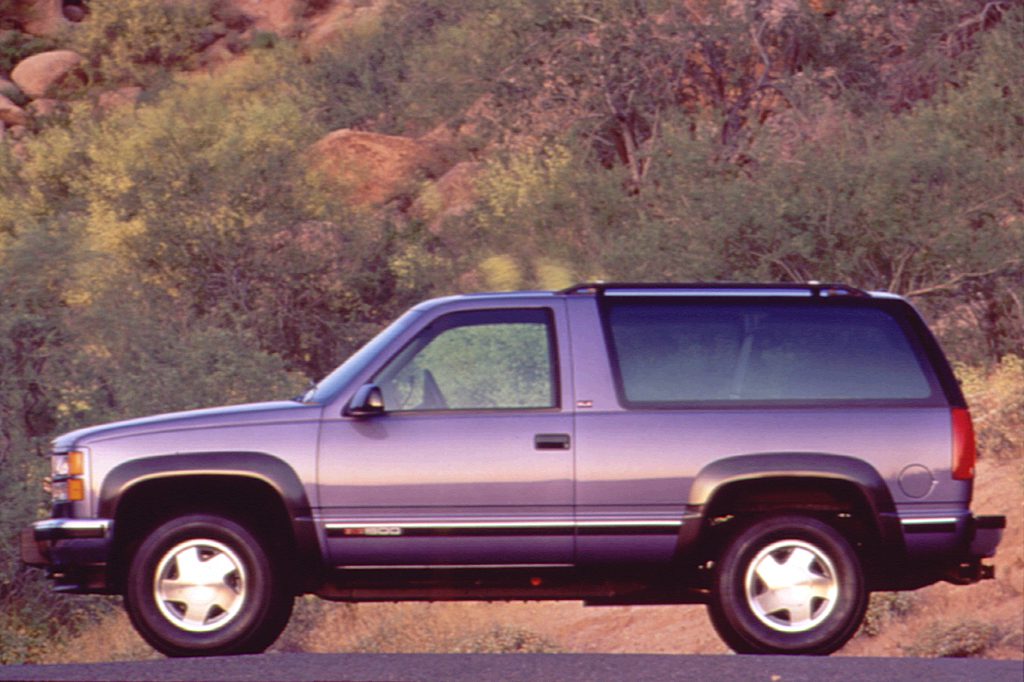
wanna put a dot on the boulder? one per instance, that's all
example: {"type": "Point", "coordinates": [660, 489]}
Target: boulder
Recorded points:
{"type": "Point", "coordinates": [122, 97]}
{"type": "Point", "coordinates": [11, 91]}
{"type": "Point", "coordinates": [41, 74]}
{"type": "Point", "coordinates": [277, 16]}
{"type": "Point", "coordinates": [217, 54]}
{"type": "Point", "coordinates": [344, 18]}
{"type": "Point", "coordinates": [42, 17]}
{"type": "Point", "coordinates": [44, 108]}
{"type": "Point", "coordinates": [75, 13]}
{"type": "Point", "coordinates": [452, 195]}
{"type": "Point", "coordinates": [11, 114]}
{"type": "Point", "coordinates": [375, 168]}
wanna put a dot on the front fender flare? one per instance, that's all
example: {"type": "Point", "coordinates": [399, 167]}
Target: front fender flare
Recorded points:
{"type": "Point", "coordinates": [255, 465]}
{"type": "Point", "coordinates": [268, 469]}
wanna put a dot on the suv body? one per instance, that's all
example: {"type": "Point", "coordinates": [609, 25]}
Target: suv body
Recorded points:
{"type": "Point", "coordinates": [773, 451]}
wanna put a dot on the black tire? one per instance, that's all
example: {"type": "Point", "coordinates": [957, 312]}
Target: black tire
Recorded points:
{"type": "Point", "coordinates": [204, 585]}
{"type": "Point", "coordinates": [787, 585]}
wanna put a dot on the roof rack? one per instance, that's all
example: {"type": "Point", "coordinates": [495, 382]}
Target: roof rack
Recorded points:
{"type": "Point", "coordinates": [813, 289]}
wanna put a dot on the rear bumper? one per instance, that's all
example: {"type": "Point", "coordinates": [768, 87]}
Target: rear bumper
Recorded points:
{"type": "Point", "coordinates": [74, 552]}
{"type": "Point", "coordinates": [984, 535]}
{"type": "Point", "coordinates": [987, 532]}
{"type": "Point", "coordinates": [950, 548]}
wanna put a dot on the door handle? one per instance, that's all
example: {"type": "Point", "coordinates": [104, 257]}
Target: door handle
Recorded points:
{"type": "Point", "coordinates": [551, 441]}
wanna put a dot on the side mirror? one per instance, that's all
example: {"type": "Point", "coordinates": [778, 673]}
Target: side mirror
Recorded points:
{"type": "Point", "coordinates": [367, 402]}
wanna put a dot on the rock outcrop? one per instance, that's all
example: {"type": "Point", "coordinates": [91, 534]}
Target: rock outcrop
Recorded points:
{"type": "Point", "coordinates": [11, 114]}
{"type": "Point", "coordinates": [45, 108]}
{"type": "Point", "coordinates": [42, 17]}
{"type": "Point", "coordinates": [453, 195]}
{"type": "Point", "coordinates": [121, 97]}
{"type": "Point", "coordinates": [344, 18]}
{"type": "Point", "coordinates": [10, 90]}
{"type": "Point", "coordinates": [375, 169]}
{"type": "Point", "coordinates": [277, 16]}
{"type": "Point", "coordinates": [42, 74]}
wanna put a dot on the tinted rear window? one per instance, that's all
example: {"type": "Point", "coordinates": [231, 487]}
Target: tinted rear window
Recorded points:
{"type": "Point", "coordinates": [685, 352]}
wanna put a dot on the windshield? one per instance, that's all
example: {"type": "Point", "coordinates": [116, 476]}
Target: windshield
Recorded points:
{"type": "Point", "coordinates": [334, 382]}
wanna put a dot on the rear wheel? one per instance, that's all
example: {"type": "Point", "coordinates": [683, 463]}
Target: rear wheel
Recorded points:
{"type": "Point", "coordinates": [204, 585]}
{"type": "Point", "coordinates": [788, 585]}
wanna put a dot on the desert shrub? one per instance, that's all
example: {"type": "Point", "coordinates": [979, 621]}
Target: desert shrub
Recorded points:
{"type": "Point", "coordinates": [33, 353]}
{"type": "Point", "coordinates": [264, 40]}
{"type": "Point", "coordinates": [136, 40]}
{"type": "Point", "coordinates": [996, 398]}
{"type": "Point", "coordinates": [208, 196]}
{"type": "Point", "coordinates": [401, 631]}
{"type": "Point", "coordinates": [963, 639]}
{"type": "Point", "coordinates": [503, 639]}
{"type": "Point", "coordinates": [883, 608]}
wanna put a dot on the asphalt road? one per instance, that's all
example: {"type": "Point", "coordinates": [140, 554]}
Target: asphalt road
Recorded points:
{"type": "Point", "coordinates": [516, 667]}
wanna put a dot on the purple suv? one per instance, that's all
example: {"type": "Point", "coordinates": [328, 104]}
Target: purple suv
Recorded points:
{"type": "Point", "coordinates": [773, 451]}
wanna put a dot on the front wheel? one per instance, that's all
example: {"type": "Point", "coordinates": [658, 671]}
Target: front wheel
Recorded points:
{"type": "Point", "coordinates": [204, 585]}
{"type": "Point", "coordinates": [788, 585]}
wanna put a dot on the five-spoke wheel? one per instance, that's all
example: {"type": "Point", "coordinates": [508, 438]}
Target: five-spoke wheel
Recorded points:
{"type": "Point", "coordinates": [204, 585]}
{"type": "Point", "coordinates": [200, 585]}
{"type": "Point", "coordinates": [788, 584]}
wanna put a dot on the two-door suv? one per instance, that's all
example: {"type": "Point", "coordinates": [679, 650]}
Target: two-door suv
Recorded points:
{"type": "Point", "coordinates": [773, 451]}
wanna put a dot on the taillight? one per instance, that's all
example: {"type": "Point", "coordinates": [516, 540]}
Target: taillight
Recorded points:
{"type": "Point", "coordinates": [964, 451]}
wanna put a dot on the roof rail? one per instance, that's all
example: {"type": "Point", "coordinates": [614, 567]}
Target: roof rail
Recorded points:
{"type": "Point", "coordinates": [814, 289]}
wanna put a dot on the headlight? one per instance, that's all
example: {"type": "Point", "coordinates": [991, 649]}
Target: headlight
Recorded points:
{"type": "Point", "coordinates": [70, 490]}
{"type": "Point", "coordinates": [66, 469]}
{"type": "Point", "coordinates": [68, 464]}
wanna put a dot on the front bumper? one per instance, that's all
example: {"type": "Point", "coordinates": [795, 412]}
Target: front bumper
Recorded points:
{"type": "Point", "coordinates": [74, 552]}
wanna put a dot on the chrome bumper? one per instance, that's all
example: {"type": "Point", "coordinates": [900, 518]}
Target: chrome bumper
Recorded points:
{"type": "Point", "coordinates": [65, 541]}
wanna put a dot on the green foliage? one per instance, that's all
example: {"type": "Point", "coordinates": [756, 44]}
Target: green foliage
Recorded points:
{"type": "Point", "coordinates": [32, 339]}
{"type": "Point", "coordinates": [553, 200]}
{"type": "Point", "coordinates": [925, 204]}
{"type": "Point", "coordinates": [137, 40]}
{"type": "Point", "coordinates": [205, 197]}
{"type": "Point", "coordinates": [361, 77]}
{"type": "Point", "coordinates": [423, 63]}
{"type": "Point", "coordinates": [996, 398]}
{"type": "Point", "coordinates": [15, 46]}
{"type": "Point", "coordinates": [264, 40]}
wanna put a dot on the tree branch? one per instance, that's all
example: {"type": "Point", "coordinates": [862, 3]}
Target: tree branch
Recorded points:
{"type": "Point", "coordinates": [960, 279]}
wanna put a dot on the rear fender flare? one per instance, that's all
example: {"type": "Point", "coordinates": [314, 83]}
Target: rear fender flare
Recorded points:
{"type": "Point", "coordinates": [863, 477]}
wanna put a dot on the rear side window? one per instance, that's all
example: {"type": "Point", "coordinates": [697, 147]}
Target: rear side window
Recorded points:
{"type": "Point", "coordinates": [670, 352]}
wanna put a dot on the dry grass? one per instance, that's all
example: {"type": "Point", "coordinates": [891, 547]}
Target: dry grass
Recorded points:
{"type": "Point", "coordinates": [111, 639]}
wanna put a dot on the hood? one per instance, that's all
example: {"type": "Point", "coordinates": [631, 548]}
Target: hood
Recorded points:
{"type": "Point", "coordinates": [234, 415]}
